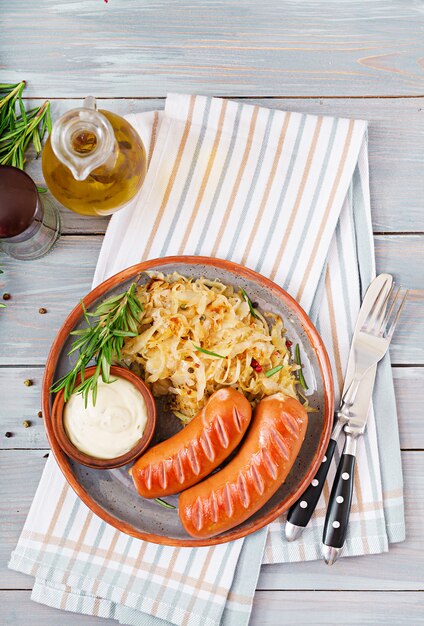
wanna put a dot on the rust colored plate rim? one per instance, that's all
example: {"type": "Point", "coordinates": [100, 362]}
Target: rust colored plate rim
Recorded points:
{"type": "Point", "coordinates": [238, 270]}
{"type": "Point", "coordinates": [118, 461]}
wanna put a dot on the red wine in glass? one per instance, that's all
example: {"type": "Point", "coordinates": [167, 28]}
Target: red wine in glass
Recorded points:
{"type": "Point", "coordinates": [28, 226]}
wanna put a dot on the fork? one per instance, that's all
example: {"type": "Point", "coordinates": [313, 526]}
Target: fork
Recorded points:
{"type": "Point", "coordinates": [372, 344]}
{"type": "Point", "coordinates": [374, 338]}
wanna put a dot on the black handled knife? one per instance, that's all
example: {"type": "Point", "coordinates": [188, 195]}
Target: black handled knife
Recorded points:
{"type": "Point", "coordinates": [301, 511]}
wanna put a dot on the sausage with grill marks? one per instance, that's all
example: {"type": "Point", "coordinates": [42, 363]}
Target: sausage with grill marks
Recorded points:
{"type": "Point", "coordinates": [192, 454]}
{"type": "Point", "coordinates": [265, 458]}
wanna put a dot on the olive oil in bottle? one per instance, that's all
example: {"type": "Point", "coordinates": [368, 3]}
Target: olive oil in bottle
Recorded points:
{"type": "Point", "coordinates": [94, 162]}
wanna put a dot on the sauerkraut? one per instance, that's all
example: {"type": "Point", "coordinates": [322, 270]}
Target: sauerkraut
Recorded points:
{"type": "Point", "coordinates": [198, 335]}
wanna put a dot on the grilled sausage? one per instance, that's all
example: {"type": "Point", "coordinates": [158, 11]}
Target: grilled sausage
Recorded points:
{"type": "Point", "coordinates": [198, 449]}
{"type": "Point", "coordinates": [261, 466]}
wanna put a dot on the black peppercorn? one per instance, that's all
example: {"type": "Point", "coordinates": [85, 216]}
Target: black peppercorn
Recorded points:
{"type": "Point", "coordinates": [8, 434]}
{"type": "Point", "coordinates": [6, 296]}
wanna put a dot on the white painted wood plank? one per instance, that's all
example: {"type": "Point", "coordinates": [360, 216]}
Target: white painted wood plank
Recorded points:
{"type": "Point", "coordinates": [281, 608]}
{"type": "Point", "coordinates": [17, 606]}
{"type": "Point", "coordinates": [56, 282]}
{"type": "Point", "coordinates": [236, 47]}
{"type": "Point", "coordinates": [409, 388]}
{"type": "Point", "coordinates": [21, 472]}
{"type": "Point", "coordinates": [60, 279]}
{"type": "Point", "coordinates": [396, 131]}
{"type": "Point", "coordinates": [18, 404]}
{"type": "Point", "coordinates": [401, 568]}
{"type": "Point", "coordinates": [404, 258]}
{"type": "Point", "coordinates": [276, 608]}
{"type": "Point", "coordinates": [21, 403]}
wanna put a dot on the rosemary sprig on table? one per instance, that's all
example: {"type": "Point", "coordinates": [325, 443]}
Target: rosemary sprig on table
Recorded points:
{"type": "Point", "coordinates": [17, 131]}
{"type": "Point", "coordinates": [117, 318]}
{"type": "Point", "coordinates": [9, 96]}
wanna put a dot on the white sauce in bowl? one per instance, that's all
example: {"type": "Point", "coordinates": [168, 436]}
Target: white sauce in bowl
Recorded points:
{"type": "Point", "coordinates": [110, 428]}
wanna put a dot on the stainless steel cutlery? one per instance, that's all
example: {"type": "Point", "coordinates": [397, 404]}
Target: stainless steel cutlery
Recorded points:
{"type": "Point", "coordinates": [379, 314]}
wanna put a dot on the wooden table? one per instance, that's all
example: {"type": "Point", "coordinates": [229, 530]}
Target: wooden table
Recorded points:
{"type": "Point", "coordinates": [358, 58]}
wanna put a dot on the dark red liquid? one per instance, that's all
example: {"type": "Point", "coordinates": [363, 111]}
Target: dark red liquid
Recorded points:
{"type": "Point", "coordinates": [18, 201]}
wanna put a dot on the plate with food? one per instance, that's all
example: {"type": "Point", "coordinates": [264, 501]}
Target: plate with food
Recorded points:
{"type": "Point", "coordinates": [188, 400]}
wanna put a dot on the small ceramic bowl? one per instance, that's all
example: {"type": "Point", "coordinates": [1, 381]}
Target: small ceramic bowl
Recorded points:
{"type": "Point", "coordinates": [91, 461]}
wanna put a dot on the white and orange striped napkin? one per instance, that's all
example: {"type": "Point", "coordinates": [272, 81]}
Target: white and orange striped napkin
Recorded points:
{"type": "Point", "coordinates": [286, 194]}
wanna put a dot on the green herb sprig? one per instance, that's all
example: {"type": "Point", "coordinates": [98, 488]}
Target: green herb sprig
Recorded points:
{"type": "Point", "coordinates": [9, 96]}
{"type": "Point", "coordinates": [208, 352]}
{"type": "Point", "coordinates": [298, 361]}
{"type": "Point", "coordinates": [17, 131]}
{"type": "Point", "coordinates": [165, 504]}
{"type": "Point", "coordinates": [273, 371]}
{"type": "Point", "coordinates": [249, 302]}
{"type": "Point", "coordinates": [117, 318]}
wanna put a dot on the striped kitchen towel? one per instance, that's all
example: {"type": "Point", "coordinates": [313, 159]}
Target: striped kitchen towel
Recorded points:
{"type": "Point", "coordinates": [286, 194]}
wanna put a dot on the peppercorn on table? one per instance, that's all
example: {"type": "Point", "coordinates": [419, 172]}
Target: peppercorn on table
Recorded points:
{"type": "Point", "coordinates": [361, 60]}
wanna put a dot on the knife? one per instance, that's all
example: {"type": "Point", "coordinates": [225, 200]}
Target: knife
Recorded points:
{"type": "Point", "coordinates": [338, 510]}
{"type": "Point", "coordinates": [301, 511]}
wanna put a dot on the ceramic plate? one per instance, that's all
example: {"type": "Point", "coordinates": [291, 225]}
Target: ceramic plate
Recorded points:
{"type": "Point", "coordinates": [110, 493]}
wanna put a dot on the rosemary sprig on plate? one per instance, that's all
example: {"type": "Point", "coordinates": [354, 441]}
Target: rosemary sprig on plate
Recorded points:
{"type": "Point", "coordinates": [273, 371]}
{"type": "Point", "coordinates": [249, 302]}
{"type": "Point", "coordinates": [165, 504]}
{"type": "Point", "coordinates": [117, 318]}
{"type": "Point", "coordinates": [298, 361]}
{"type": "Point", "coordinates": [208, 352]}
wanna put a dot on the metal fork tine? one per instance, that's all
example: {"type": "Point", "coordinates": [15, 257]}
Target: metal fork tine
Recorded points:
{"type": "Point", "coordinates": [382, 311]}
{"type": "Point", "coordinates": [377, 311]}
{"type": "Point", "coordinates": [397, 316]}
{"type": "Point", "coordinates": [370, 319]}
{"type": "Point", "coordinates": [389, 312]}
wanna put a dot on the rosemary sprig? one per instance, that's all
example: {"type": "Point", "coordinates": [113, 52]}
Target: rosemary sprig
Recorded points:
{"type": "Point", "coordinates": [18, 131]}
{"type": "Point", "coordinates": [208, 352]}
{"type": "Point", "coordinates": [166, 505]}
{"type": "Point", "coordinates": [274, 370]}
{"type": "Point", "coordinates": [9, 95]}
{"type": "Point", "coordinates": [117, 318]}
{"type": "Point", "coordinates": [249, 302]}
{"type": "Point", "coordinates": [298, 361]}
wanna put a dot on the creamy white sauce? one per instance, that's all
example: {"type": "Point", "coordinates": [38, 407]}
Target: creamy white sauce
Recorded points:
{"type": "Point", "coordinates": [111, 427]}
